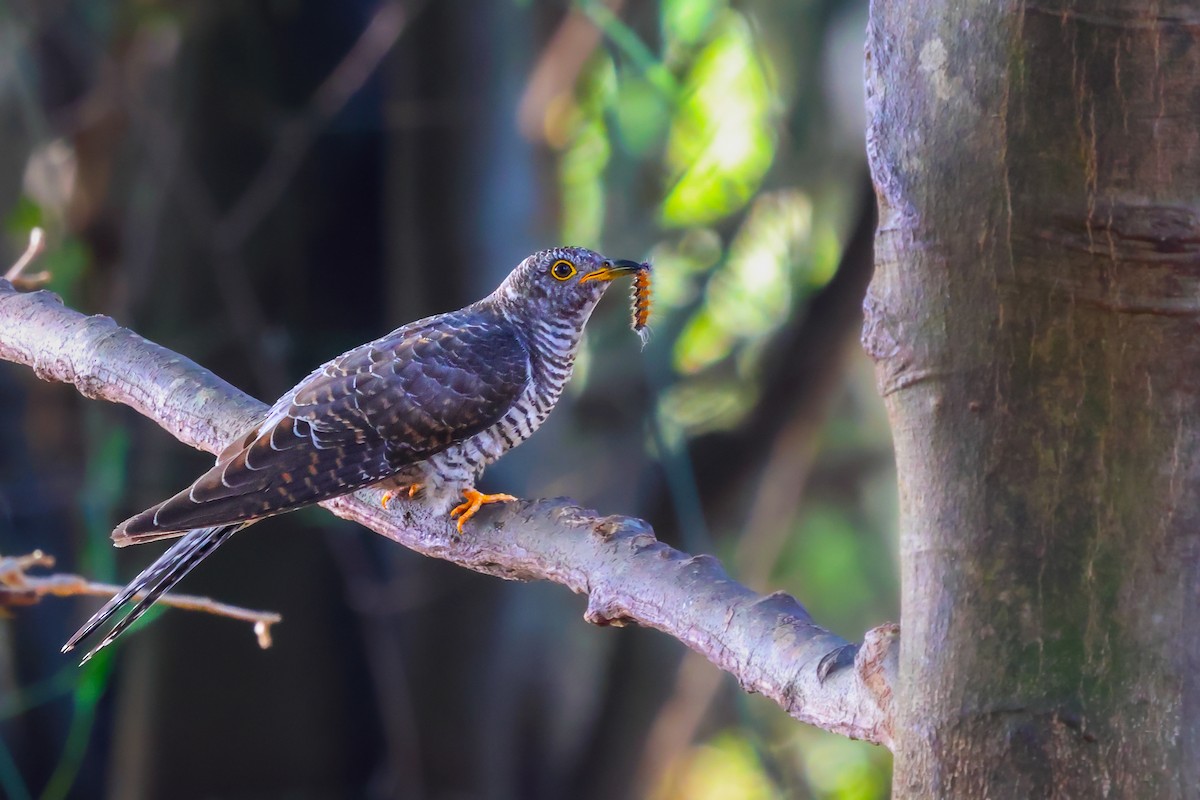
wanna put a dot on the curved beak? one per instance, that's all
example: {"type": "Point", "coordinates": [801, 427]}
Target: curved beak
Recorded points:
{"type": "Point", "coordinates": [613, 269]}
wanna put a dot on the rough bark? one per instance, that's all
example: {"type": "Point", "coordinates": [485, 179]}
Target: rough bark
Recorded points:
{"type": "Point", "coordinates": [1034, 320]}
{"type": "Point", "coordinates": [769, 643]}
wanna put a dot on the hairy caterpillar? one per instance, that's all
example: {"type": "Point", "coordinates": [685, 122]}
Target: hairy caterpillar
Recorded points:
{"type": "Point", "coordinates": [641, 302]}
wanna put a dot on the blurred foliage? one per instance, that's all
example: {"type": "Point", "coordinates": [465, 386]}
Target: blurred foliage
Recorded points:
{"type": "Point", "coordinates": [839, 769]}
{"type": "Point", "coordinates": [709, 144]}
{"type": "Point", "coordinates": [726, 766]}
{"type": "Point", "coordinates": [721, 141]}
{"type": "Point", "coordinates": [703, 135]}
{"type": "Point", "coordinates": [738, 249]}
{"type": "Point", "coordinates": [65, 262]}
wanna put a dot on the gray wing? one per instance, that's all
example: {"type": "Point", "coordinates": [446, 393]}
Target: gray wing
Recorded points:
{"type": "Point", "coordinates": [359, 419]}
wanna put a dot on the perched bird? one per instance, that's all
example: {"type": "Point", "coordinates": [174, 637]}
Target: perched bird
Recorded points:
{"type": "Point", "coordinates": [423, 409]}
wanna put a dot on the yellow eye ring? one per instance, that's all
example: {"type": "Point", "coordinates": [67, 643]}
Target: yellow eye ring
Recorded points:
{"type": "Point", "coordinates": [562, 270]}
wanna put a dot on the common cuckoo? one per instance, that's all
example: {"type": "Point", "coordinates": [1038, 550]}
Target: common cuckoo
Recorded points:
{"type": "Point", "coordinates": [422, 410]}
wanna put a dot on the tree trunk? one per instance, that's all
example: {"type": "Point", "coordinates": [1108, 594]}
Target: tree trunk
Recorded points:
{"type": "Point", "coordinates": [1034, 321]}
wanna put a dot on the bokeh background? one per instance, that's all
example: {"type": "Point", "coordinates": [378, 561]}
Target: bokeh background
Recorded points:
{"type": "Point", "coordinates": [263, 184]}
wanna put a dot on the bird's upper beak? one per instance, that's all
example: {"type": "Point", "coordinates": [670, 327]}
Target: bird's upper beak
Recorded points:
{"type": "Point", "coordinates": [612, 269]}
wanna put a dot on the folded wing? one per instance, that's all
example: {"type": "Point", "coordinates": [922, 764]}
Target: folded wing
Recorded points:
{"type": "Point", "coordinates": [358, 419]}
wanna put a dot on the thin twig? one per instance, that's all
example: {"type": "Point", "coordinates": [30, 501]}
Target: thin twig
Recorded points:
{"type": "Point", "coordinates": [18, 588]}
{"type": "Point", "coordinates": [16, 274]}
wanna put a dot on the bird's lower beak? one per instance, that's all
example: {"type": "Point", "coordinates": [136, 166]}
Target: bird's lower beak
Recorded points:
{"type": "Point", "coordinates": [611, 270]}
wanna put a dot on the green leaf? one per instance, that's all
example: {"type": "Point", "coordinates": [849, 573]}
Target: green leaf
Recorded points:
{"type": "Point", "coordinates": [721, 141]}
{"type": "Point", "coordinates": [686, 22]}
{"type": "Point", "coordinates": [641, 114]}
{"type": "Point", "coordinates": [581, 176]}
{"type": "Point", "coordinates": [66, 263]}
{"type": "Point", "coordinates": [725, 767]}
{"type": "Point", "coordinates": [24, 217]}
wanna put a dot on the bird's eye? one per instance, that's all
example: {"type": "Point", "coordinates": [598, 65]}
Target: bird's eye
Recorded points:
{"type": "Point", "coordinates": [562, 270]}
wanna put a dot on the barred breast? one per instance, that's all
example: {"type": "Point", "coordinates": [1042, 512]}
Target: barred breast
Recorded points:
{"type": "Point", "coordinates": [552, 345]}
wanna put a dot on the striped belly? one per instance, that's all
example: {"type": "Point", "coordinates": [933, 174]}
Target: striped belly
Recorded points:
{"type": "Point", "coordinates": [461, 464]}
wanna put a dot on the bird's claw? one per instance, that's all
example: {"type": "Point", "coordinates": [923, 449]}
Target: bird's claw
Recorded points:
{"type": "Point", "coordinates": [472, 503]}
{"type": "Point", "coordinates": [413, 488]}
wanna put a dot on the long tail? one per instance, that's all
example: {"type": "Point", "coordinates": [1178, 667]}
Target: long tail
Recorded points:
{"type": "Point", "coordinates": [153, 581]}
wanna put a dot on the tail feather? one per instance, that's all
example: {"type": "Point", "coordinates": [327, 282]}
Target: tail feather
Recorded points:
{"type": "Point", "coordinates": [122, 539]}
{"type": "Point", "coordinates": [139, 524]}
{"type": "Point", "coordinates": [152, 582]}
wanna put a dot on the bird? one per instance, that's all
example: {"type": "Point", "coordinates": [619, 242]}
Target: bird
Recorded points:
{"type": "Point", "coordinates": [422, 410]}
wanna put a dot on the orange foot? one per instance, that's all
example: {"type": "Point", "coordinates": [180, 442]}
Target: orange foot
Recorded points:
{"type": "Point", "coordinates": [412, 491]}
{"type": "Point", "coordinates": [467, 508]}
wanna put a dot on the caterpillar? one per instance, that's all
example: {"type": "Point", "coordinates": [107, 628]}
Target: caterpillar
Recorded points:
{"type": "Point", "coordinates": [641, 303]}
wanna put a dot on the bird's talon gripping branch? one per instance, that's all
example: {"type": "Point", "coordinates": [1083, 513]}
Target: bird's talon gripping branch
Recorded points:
{"type": "Point", "coordinates": [474, 500]}
{"type": "Point", "coordinates": [411, 491]}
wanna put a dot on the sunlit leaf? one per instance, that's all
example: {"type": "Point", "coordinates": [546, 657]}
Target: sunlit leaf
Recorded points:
{"type": "Point", "coordinates": [721, 141]}
{"type": "Point", "coordinates": [754, 292]}
{"type": "Point", "coordinates": [700, 406]}
{"type": "Point", "coordinates": [726, 767]}
{"type": "Point", "coordinates": [598, 87]}
{"type": "Point", "coordinates": [581, 173]}
{"type": "Point", "coordinates": [686, 22]}
{"type": "Point", "coordinates": [586, 151]}
{"type": "Point", "coordinates": [751, 293]}
{"type": "Point", "coordinates": [841, 769]}
{"type": "Point", "coordinates": [641, 113]}
{"type": "Point", "coordinates": [703, 341]}
{"type": "Point", "coordinates": [678, 268]}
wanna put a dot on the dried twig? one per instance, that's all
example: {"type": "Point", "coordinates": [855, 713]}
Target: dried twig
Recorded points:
{"type": "Point", "coordinates": [19, 588]}
{"type": "Point", "coordinates": [16, 273]}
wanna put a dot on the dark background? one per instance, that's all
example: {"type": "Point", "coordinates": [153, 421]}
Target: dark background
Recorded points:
{"type": "Point", "coordinates": [261, 185]}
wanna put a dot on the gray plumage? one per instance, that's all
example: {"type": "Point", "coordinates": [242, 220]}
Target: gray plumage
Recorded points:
{"type": "Point", "coordinates": [429, 404]}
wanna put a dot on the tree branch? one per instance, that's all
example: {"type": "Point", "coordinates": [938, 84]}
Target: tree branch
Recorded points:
{"type": "Point", "coordinates": [19, 588]}
{"type": "Point", "coordinates": [770, 644]}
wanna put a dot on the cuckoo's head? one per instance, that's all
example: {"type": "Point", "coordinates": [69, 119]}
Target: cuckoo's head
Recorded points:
{"type": "Point", "coordinates": [564, 283]}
